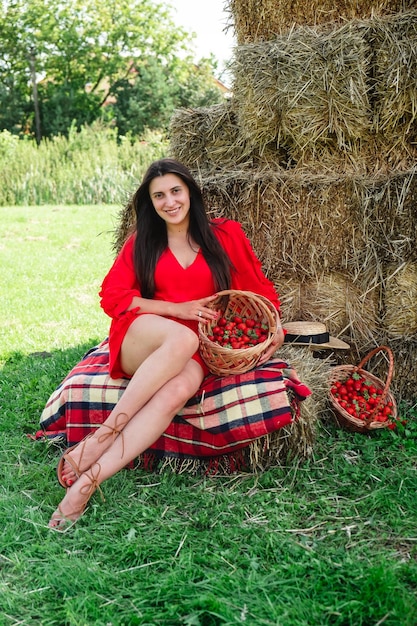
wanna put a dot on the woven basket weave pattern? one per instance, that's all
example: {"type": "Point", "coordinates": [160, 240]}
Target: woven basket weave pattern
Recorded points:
{"type": "Point", "coordinates": [342, 373]}
{"type": "Point", "coordinates": [223, 361]}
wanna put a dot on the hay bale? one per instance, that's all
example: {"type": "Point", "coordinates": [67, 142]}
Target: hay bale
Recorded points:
{"type": "Point", "coordinates": [298, 226]}
{"type": "Point", "coordinates": [208, 137]}
{"type": "Point", "coordinates": [290, 291]}
{"type": "Point", "coordinates": [371, 158]}
{"type": "Point", "coordinates": [295, 441]}
{"type": "Point", "coordinates": [336, 98]}
{"type": "Point", "coordinates": [404, 381]}
{"type": "Point", "coordinates": [400, 301]}
{"type": "Point", "coordinates": [307, 87]}
{"type": "Point", "coordinates": [404, 384]}
{"type": "Point", "coordinates": [125, 225]}
{"type": "Point", "coordinates": [394, 42]}
{"type": "Point", "coordinates": [261, 20]}
{"type": "Point", "coordinates": [388, 216]}
{"type": "Point", "coordinates": [209, 140]}
{"type": "Point", "coordinates": [349, 309]}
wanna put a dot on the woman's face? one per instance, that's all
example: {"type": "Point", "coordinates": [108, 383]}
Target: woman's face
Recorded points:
{"type": "Point", "coordinates": [171, 199]}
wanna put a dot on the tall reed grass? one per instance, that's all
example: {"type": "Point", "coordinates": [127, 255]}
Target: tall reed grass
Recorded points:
{"type": "Point", "coordinates": [92, 166]}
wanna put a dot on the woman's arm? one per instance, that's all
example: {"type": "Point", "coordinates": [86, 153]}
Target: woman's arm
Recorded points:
{"type": "Point", "coordinates": [119, 287]}
{"type": "Point", "coordinates": [248, 274]}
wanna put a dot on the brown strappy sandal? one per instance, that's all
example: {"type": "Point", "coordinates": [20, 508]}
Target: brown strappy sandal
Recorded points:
{"type": "Point", "coordinates": [66, 458]}
{"type": "Point", "coordinates": [61, 522]}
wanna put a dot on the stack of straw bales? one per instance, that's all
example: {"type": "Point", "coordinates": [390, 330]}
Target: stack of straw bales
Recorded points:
{"type": "Point", "coordinates": [339, 99]}
{"type": "Point", "coordinates": [262, 20]}
{"type": "Point", "coordinates": [316, 155]}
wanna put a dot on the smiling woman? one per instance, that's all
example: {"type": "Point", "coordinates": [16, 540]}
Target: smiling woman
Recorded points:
{"type": "Point", "coordinates": [156, 293]}
{"type": "Point", "coordinates": [171, 200]}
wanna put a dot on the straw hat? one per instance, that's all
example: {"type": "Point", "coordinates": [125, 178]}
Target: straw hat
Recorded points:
{"type": "Point", "coordinates": [313, 334]}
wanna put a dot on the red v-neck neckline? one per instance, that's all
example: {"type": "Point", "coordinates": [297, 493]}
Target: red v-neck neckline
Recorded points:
{"type": "Point", "coordinates": [181, 266]}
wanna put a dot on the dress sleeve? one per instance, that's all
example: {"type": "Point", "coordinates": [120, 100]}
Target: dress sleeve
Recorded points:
{"type": "Point", "coordinates": [247, 273]}
{"type": "Point", "coordinates": [120, 285]}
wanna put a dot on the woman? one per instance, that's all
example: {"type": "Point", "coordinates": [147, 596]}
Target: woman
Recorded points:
{"type": "Point", "coordinates": [157, 291]}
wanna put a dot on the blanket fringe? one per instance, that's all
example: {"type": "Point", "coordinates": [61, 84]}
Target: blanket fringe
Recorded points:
{"type": "Point", "coordinates": [225, 464]}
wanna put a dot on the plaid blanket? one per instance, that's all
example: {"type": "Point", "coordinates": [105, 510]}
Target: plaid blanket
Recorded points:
{"type": "Point", "coordinates": [226, 414]}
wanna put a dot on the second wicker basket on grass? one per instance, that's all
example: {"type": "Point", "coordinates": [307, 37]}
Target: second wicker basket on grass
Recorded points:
{"type": "Point", "coordinates": [369, 420]}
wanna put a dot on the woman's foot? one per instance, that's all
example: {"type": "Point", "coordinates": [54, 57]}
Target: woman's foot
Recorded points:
{"type": "Point", "coordinates": [76, 499]}
{"type": "Point", "coordinates": [68, 469]}
{"type": "Point", "coordinates": [80, 457]}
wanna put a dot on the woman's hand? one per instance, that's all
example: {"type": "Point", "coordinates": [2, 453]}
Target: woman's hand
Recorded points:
{"type": "Point", "coordinates": [195, 310]}
{"type": "Point", "coordinates": [269, 352]}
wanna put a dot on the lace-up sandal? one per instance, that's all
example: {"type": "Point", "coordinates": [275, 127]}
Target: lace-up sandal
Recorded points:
{"type": "Point", "coordinates": [66, 458]}
{"type": "Point", "coordinates": [114, 431]}
{"type": "Point", "coordinates": [61, 522]}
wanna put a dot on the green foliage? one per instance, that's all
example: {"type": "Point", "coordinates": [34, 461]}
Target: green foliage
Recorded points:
{"type": "Point", "coordinates": [87, 167]}
{"type": "Point", "coordinates": [63, 107]}
{"type": "Point", "coordinates": [83, 51]}
{"type": "Point", "coordinates": [197, 88]}
{"type": "Point", "coordinates": [147, 100]}
{"type": "Point", "coordinates": [330, 542]}
{"type": "Point", "coordinates": [14, 109]}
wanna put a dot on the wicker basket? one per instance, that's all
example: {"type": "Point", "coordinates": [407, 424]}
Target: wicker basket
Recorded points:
{"type": "Point", "coordinates": [223, 361]}
{"type": "Point", "coordinates": [342, 372]}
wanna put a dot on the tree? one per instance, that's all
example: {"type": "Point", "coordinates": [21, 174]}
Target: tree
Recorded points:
{"type": "Point", "coordinates": [144, 102]}
{"type": "Point", "coordinates": [82, 52]}
{"type": "Point", "coordinates": [198, 88]}
{"type": "Point", "coordinates": [148, 99]}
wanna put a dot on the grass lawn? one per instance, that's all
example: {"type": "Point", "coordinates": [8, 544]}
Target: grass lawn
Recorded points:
{"type": "Point", "coordinates": [332, 541]}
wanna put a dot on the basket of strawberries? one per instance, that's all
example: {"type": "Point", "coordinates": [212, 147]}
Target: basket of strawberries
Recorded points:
{"type": "Point", "coordinates": [236, 340]}
{"type": "Point", "coordinates": [361, 401]}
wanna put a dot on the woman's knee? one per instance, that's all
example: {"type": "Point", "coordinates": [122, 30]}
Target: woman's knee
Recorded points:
{"type": "Point", "coordinates": [181, 388]}
{"type": "Point", "coordinates": [185, 339]}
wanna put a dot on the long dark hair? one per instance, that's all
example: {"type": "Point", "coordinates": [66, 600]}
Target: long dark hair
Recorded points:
{"type": "Point", "coordinates": [151, 231]}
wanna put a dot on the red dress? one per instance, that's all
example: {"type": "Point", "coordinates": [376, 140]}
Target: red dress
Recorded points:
{"type": "Point", "coordinates": [173, 283]}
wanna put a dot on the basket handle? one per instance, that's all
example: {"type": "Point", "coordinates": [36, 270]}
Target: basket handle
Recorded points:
{"type": "Point", "coordinates": [388, 379]}
{"type": "Point", "coordinates": [273, 311]}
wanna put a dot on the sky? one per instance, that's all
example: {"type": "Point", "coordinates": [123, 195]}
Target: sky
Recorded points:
{"type": "Point", "coordinates": [207, 18]}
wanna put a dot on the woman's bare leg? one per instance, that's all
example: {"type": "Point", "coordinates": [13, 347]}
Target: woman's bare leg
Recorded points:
{"type": "Point", "coordinates": [154, 351]}
{"type": "Point", "coordinates": [142, 430]}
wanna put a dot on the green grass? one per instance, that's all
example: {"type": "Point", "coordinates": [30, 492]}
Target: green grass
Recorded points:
{"type": "Point", "coordinates": [53, 259]}
{"type": "Point", "coordinates": [330, 542]}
